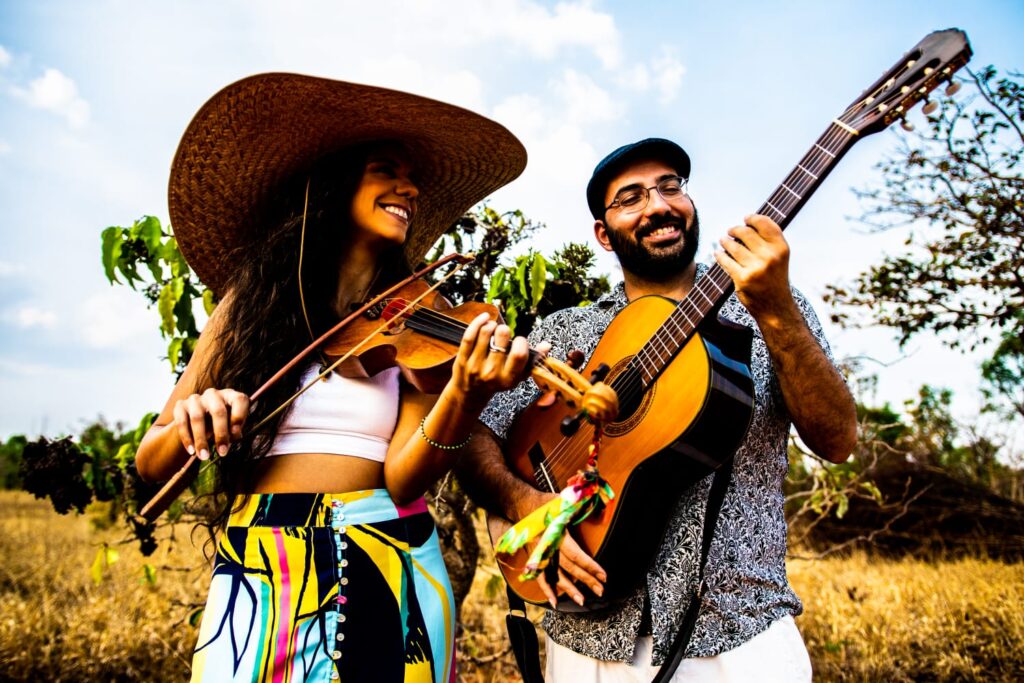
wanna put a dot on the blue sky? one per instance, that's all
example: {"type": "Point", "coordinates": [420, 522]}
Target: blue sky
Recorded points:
{"type": "Point", "coordinates": [94, 96]}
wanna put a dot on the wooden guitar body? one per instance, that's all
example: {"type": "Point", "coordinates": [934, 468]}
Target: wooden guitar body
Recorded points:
{"type": "Point", "coordinates": [669, 435]}
{"type": "Point", "coordinates": [680, 374]}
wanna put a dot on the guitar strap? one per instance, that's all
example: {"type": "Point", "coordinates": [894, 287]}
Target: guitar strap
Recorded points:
{"type": "Point", "coordinates": [523, 635]}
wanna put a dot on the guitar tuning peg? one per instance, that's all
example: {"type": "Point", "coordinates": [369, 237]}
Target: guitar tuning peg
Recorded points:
{"type": "Point", "coordinates": [906, 125]}
{"type": "Point", "coordinates": [930, 106]}
{"type": "Point", "coordinates": [953, 88]}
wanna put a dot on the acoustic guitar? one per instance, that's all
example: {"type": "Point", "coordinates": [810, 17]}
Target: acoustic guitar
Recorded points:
{"type": "Point", "coordinates": [682, 374]}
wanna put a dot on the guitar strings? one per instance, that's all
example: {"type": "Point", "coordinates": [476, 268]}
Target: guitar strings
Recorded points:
{"type": "Point", "coordinates": [795, 184]}
{"type": "Point", "coordinates": [816, 160]}
{"type": "Point", "coordinates": [631, 382]}
{"type": "Point", "coordinates": [786, 195]}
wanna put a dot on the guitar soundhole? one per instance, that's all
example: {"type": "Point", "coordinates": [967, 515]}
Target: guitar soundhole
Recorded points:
{"type": "Point", "coordinates": [634, 400]}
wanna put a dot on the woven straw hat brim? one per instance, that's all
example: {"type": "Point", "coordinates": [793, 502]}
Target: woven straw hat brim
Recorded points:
{"type": "Point", "coordinates": [262, 130]}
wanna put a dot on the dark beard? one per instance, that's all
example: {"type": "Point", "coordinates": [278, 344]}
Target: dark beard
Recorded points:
{"type": "Point", "coordinates": [658, 266]}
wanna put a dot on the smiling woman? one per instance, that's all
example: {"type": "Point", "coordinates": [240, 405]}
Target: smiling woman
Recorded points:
{"type": "Point", "coordinates": [294, 198]}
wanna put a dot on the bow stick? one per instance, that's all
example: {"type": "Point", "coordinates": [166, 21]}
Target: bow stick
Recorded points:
{"type": "Point", "coordinates": [183, 477]}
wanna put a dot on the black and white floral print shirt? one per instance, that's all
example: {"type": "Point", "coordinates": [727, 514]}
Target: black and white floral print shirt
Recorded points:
{"type": "Point", "coordinates": [746, 585]}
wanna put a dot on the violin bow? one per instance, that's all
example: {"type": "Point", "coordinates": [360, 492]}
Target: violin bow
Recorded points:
{"type": "Point", "coordinates": [181, 480]}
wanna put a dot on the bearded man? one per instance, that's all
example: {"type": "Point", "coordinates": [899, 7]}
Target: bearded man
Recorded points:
{"type": "Point", "coordinates": [744, 628]}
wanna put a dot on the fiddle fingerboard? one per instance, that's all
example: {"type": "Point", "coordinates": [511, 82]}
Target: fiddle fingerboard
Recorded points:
{"type": "Point", "coordinates": [443, 327]}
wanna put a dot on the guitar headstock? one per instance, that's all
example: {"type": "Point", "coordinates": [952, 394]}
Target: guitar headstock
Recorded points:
{"type": "Point", "coordinates": [925, 67]}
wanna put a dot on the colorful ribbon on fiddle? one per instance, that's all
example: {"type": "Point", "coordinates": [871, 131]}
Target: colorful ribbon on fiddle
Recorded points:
{"type": "Point", "coordinates": [586, 493]}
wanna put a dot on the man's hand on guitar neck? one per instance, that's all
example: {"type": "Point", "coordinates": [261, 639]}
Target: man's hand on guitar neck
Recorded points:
{"type": "Point", "coordinates": [756, 257]}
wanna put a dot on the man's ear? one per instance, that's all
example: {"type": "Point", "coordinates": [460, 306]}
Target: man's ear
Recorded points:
{"type": "Point", "coordinates": [601, 233]}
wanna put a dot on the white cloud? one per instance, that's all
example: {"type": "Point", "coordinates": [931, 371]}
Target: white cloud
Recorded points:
{"type": "Point", "coordinates": [662, 75]}
{"type": "Point", "coordinates": [584, 101]}
{"type": "Point", "coordinates": [55, 92]}
{"type": "Point", "coordinates": [668, 76]}
{"type": "Point", "coordinates": [114, 319]}
{"type": "Point", "coordinates": [407, 74]}
{"type": "Point", "coordinates": [5, 57]}
{"type": "Point", "coordinates": [28, 317]}
{"type": "Point", "coordinates": [5, 147]}
{"type": "Point", "coordinates": [8, 269]}
{"type": "Point", "coordinates": [543, 32]}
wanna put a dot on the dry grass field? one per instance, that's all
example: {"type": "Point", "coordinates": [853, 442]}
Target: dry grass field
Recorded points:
{"type": "Point", "coordinates": [865, 620]}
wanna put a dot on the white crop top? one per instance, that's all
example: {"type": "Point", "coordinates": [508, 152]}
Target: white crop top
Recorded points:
{"type": "Point", "coordinates": [346, 416]}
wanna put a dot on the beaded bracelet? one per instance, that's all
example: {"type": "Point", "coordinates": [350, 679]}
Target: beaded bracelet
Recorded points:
{"type": "Point", "coordinates": [438, 444]}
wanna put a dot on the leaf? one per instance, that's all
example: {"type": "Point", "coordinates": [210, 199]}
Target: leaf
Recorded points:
{"type": "Point", "coordinates": [870, 487]}
{"type": "Point", "coordinates": [127, 268]}
{"type": "Point", "coordinates": [209, 302]}
{"type": "Point", "coordinates": [170, 293]}
{"type": "Point", "coordinates": [844, 504]}
{"type": "Point", "coordinates": [521, 264]}
{"type": "Point", "coordinates": [494, 586]}
{"type": "Point", "coordinates": [496, 286]}
{"type": "Point", "coordinates": [171, 255]}
{"type": "Point", "coordinates": [174, 352]}
{"type": "Point", "coordinates": [111, 251]}
{"type": "Point", "coordinates": [148, 575]}
{"type": "Point", "coordinates": [148, 230]}
{"type": "Point", "coordinates": [104, 558]}
{"type": "Point", "coordinates": [510, 317]}
{"type": "Point", "coordinates": [195, 616]}
{"type": "Point", "coordinates": [538, 278]}
{"type": "Point", "coordinates": [125, 455]}
{"type": "Point", "coordinates": [186, 323]}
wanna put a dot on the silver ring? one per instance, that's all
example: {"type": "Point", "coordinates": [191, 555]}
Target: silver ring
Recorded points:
{"type": "Point", "coordinates": [497, 349]}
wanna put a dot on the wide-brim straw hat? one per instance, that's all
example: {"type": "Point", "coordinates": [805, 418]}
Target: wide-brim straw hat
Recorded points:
{"type": "Point", "coordinates": [262, 130]}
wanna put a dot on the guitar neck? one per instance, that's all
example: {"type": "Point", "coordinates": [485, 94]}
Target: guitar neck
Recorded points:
{"type": "Point", "coordinates": [711, 291]}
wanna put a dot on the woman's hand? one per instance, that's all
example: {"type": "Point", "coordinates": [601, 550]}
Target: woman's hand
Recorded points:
{"type": "Point", "coordinates": [488, 360]}
{"type": "Point", "coordinates": [222, 410]}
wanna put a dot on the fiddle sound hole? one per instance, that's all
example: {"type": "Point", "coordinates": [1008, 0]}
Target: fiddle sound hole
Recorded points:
{"type": "Point", "coordinates": [634, 399]}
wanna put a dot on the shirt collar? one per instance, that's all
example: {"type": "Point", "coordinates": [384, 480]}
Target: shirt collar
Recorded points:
{"type": "Point", "coordinates": [616, 298]}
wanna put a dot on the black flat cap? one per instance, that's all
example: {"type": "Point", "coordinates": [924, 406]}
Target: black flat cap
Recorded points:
{"type": "Point", "coordinates": [612, 165]}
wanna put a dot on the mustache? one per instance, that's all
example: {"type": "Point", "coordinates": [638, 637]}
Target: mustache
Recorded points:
{"type": "Point", "coordinates": [659, 221]}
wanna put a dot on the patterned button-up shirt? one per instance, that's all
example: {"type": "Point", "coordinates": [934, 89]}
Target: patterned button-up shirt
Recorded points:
{"type": "Point", "coordinates": [746, 585]}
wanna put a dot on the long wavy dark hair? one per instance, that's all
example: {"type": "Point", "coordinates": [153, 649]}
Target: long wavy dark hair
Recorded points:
{"type": "Point", "coordinates": [265, 324]}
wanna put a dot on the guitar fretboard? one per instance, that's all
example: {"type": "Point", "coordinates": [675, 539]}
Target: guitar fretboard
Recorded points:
{"type": "Point", "coordinates": [711, 290]}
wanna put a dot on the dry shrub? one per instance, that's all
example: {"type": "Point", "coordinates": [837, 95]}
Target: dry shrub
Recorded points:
{"type": "Point", "coordinates": [865, 619]}
{"type": "Point", "coordinates": [868, 619]}
{"type": "Point", "coordinates": [57, 625]}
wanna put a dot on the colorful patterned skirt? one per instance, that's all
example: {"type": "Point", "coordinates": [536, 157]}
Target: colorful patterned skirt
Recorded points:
{"type": "Point", "coordinates": [328, 587]}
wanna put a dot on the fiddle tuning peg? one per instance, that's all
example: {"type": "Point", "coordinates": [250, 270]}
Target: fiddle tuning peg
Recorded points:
{"type": "Point", "coordinates": [906, 125]}
{"type": "Point", "coordinates": [599, 373]}
{"type": "Point", "coordinates": [570, 424]}
{"type": "Point", "coordinates": [953, 88]}
{"type": "Point", "coordinates": [930, 106]}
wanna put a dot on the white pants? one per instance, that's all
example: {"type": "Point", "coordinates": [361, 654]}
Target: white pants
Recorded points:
{"type": "Point", "coordinates": [777, 655]}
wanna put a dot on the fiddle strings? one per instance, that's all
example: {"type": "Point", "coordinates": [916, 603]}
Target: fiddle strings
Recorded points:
{"type": "Point", "coordinates": [355, 349]}
{"type": "Point", "coordinates": [441, 326]}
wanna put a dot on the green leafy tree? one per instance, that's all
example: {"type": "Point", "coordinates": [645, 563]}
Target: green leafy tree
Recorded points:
{"type": "Point", "coordinates": [528, 286]}
{"type": "Point", "coordinates": [10, 461]}
{"type": "Point", "coordinates": [147, 257]}
{"type": "Point", "coordinates": [958, 188]}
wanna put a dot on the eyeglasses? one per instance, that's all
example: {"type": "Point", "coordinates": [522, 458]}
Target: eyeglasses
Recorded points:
{"type": "Point", "coordinates": [634, 199]}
